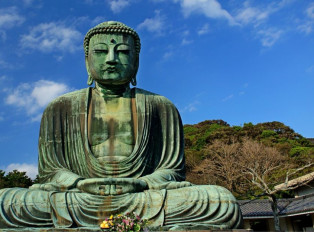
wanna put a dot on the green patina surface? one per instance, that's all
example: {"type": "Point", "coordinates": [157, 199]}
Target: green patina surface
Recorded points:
{"type": "Point", "coordinates": [114, 149]}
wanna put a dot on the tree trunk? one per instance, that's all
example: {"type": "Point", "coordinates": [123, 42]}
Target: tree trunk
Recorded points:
{"type": "Point", "coordinates": [274, 207]}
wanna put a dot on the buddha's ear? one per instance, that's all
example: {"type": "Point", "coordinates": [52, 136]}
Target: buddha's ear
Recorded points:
{"type": "Point", "coordinates": [90, 79]}
{"type": "Point", "coordinates": [86, 64]}
{"type": "Point", "coordinates": [136, 65]}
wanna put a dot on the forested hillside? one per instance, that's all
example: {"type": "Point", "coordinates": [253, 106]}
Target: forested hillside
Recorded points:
{"type": "Point", "coordinates": [217, 153]}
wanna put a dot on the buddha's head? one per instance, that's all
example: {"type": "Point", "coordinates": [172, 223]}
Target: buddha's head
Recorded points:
{"type": "Point", "coordinates": [112, 54]}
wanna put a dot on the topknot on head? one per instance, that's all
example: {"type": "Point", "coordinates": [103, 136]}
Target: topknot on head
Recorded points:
{"type": "Point", "coordinates": [111, 27]}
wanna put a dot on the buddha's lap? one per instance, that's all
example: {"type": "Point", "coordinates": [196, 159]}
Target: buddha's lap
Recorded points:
{"type": "Point", "coordinates": [205, 202]}
{"type": "Point", "coordinates": [212, 191]}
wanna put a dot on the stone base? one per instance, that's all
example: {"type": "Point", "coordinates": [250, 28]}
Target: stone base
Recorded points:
{"type": "Point", "coordinates": [98, 229]}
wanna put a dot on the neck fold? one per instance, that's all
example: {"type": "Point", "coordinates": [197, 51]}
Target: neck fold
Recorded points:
{"type": "Point", "coordinates": [112, 91]}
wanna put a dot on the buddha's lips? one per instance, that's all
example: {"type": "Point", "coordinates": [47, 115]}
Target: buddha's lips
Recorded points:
{"type": "Point", "coordinates": [110, 69]}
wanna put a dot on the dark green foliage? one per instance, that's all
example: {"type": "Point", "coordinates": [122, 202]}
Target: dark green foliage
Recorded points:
{"type": "Point", "coordinates": [14, 179]}
{"type": "Point", "coordinates": [36, 180]}
{"type": "Point", "coordinates": [3, 181]}
{"type": "Point", "coordinates": [275, 134]}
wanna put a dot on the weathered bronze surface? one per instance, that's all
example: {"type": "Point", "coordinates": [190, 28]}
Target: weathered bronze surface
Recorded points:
{"type": "Point", "coordinates": [114, 149]}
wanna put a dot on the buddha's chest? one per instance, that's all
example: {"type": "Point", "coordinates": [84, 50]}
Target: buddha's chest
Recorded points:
{"type": "Point", "coordinates": [111, 133]}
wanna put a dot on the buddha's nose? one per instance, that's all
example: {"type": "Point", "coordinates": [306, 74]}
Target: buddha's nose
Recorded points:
{"type": "Point", "coordinates": [111, 57]}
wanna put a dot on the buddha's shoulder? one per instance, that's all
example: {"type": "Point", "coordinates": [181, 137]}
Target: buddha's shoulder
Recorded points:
{"type": "Point", "coordinates": [69, 98]}
{"type": "Point", "coordinates": [153, 97]}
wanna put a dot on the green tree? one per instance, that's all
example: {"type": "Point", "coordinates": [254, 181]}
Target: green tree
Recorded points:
{"type": "Point", "coordinates": [18, 179]}
{"type": "Point", "coordinates": [3, 181]}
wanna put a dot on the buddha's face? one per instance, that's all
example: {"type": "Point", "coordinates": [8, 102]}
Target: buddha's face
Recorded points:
{"type": "Point", "coordinates": [111, 59]}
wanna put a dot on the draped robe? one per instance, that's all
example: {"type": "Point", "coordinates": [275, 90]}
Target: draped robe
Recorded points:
{"type": "Point", "coordinates": [65, 157]}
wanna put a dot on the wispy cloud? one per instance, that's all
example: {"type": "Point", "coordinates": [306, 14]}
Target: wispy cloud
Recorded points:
{"type": "Point", "coordinates": [310, 69]}
{"type": "Point", "coordinates": [49, 37]}
{"type": "Point", "coordinates": [269, 36]}
{"type": "Point", "coordinates": [308, 26]}
{"type": "Point", "coordinates": [4, 64]}
{"type": "Point", "coordinates": [204, 30]}
{"type": "Point", "coordinates": [33, 97]}
{"type": "Point", "coordinates": [310, 11]}
{"type": "Point", "coordinates": [167, 55]}
{"type": "Point", "coordinates": [97, 20]}
{"type": "Point", "coordinates": [155, 25]}
{"type": "Point", "coordinates": [208, 8]}
{"type": "Point", "coordinates": [256, 15]}
{"type": "Point", "coordinates": [28, 2]}
{"type": "Point", "coordinates": [118, 5]}
{"type": "Point", "coordinates": [191, 107]}
{"type": "Point", "coordinates": [3, 78]}
{"type": "Point", "coordinates": [186, 41]}
{"type": "Point", "coordinates": [30, 169]}
{"type": "Point", "coordinates": [228, 98]}
{"type": "Point", "coordinates": [9, 17]}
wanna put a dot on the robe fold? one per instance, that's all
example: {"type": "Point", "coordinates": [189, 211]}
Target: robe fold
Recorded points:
{"type": "Point", "coordinates": [65, 157]}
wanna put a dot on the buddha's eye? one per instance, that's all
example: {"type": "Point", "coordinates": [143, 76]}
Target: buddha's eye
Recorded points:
{"type": "Point", "coordinates": [100, 51]}
{"type": "Point", "coordinates": [126, 52]}
{"type": "Point", "coordinates": [125, 49]}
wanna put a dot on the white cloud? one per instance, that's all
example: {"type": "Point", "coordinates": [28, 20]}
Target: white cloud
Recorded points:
{"type": "Point", "coordinates": [9, 17]}
{"type": "Point", "coordinates": [35, 96]}
{"type": "Point", "coordinates": [118, 5]}
{"type": "Point", "coordinates": [269, 36]}
{"type": "Point", "coordinates": [228, 98]}
{"type": "Point", "coordinates": [97, 20]}
{"type": "Point", "coordinates": [256, 15]}
{"type": "Point", "coordinates": [3, 78]}
{"type": "Point", "coordinates": [167, 55]}
{"type": "Point", "coordinates": [186, 33]}
{"type": "Point", "coordinates": [308, 26]}
{"type": "Point", "coordinates": [89, 1]}
{"type": "Point", "coordinates": [3, 35]}
{"type": "Point", "coordinates": [191, 107]}
{"type": "Point", "coordinates": [252, 15]}
{"type": "Point", "coordinates": [310, 11]}
{"type": "Point", "coordinates": [30, 169]}
{"type": "Point", "coordinates": [155, 25]}
{"type": "Point", "coordinates": [28, 2]}
{"type": "Point", "coordinates": [204, 30]}
{"type": "Point", "coordinates": [186, 41]}
{"type": "Point", "coordinates": [310, 69]}
{"type": "Point", "coordinates": [4, 64]}
{"type": "Point", "coordinates": [49, 37]}
{"type": "Point", "coordinates": [209, 8]}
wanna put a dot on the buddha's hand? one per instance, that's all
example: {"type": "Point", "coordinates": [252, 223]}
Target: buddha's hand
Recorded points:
{"type": "Point", "coordinates": [47, 187]}
{"type": "Point", "coordinates": [171, 185]}
{"type": "Point", "coordinates": [111, 186]}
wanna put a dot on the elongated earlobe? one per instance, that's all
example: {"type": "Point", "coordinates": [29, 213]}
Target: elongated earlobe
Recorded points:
{"type": "Point", "coordinates": [90, 80]}
{"type": "Point", "coordinates": [133, 81]}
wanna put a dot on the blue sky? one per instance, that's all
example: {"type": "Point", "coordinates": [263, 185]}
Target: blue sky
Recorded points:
{"type": "Point", "coordinates": [240, 61]}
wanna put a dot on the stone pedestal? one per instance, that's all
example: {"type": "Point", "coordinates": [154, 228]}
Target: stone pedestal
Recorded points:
{"type": "Point", "coordinates": [98, 229]}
